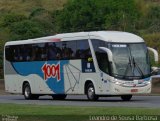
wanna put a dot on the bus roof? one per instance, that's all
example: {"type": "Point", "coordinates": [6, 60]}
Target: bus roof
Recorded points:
{"type": "Point", "coordinates": [109, 36]}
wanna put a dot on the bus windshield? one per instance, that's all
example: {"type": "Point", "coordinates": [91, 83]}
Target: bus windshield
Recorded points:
{"type": "Point", "coordinates": [130, 61]}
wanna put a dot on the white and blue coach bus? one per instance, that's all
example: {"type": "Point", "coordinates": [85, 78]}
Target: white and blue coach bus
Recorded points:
{"type": "Point", "coordinates": [102, 63]}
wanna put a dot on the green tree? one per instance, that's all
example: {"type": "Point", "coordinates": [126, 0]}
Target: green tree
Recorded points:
{"type": "Point", "coordinates": [2, 42]}
{"type": "Point", "coordinates": [43, 18]}
{"type": "Point", "coordinates": [119, 14]}
{"type": "Point", "coordinates": [18, 27]}
{"type": "Point", "coordinates": [80, 15]}
{"type": "Point", "coordinates": [10, 18]}
{"type": "Point", "coordinates": [26, 29]}
{"type": "Point", "coordinates": [153, 19]}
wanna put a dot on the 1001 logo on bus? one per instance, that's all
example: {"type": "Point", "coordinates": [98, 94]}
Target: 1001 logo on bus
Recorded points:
{"type": "Point", "coordinates": [51, 71]}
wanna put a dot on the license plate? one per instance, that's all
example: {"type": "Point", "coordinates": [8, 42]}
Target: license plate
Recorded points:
{"type": "Point", "coordinates": [134, 90]}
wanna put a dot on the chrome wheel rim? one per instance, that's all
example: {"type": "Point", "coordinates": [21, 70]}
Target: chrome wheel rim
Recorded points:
{"type": "Point", "coordinates": [27, 92]}
{"type": "Point", "coordinates": [90, 92]}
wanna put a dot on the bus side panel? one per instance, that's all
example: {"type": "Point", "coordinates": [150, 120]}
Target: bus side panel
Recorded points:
{"type": "Point", "coordinates": [33, 73]}
{"type": "Point", "coordinates": [72, 77]}
{"type": "Point", "coordinates": [11, 83]}
{"type": "Point", "coordinates": [12, 80]}
{"type": "Point", "coordinates": [71, 81]}
{"type": "Point", "coordinates": [50, 72]}
{"type": "Point", "coordinates": [95, 79]}
{"type": "Point", "coordinates": [75, 79]}
{"type": "Point", "coordinates": [40, 86]}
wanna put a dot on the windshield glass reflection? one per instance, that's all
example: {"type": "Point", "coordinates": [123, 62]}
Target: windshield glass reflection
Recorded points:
{"type": "Point", "coordinates": [130, 60]}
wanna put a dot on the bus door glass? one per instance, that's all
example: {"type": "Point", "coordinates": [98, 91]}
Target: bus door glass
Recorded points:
{"type": "Point", "coordinates": [84, 53]}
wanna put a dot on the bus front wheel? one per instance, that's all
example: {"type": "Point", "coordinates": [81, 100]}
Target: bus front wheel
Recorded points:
{"type": "Point", "coordinates": [91, 92]}
{"type": "Point", "coordinates": [126, 97]}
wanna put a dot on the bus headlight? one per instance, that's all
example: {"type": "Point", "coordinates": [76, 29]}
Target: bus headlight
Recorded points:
{"type": "Point", "coordinates": [117, 83]}
{"type": "Point", "coordinates": [148, 82]}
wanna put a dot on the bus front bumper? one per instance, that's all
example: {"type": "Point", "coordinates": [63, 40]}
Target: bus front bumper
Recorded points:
{"type": "Point", "coordinates": [120, 89]}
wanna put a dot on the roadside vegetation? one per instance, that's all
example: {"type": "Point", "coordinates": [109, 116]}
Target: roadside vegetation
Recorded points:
{"type": "Point", "coordinates": [26, 19]}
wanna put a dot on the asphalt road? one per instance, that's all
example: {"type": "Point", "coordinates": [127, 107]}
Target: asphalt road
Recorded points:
{"type": "Point", "coordinates": [81, 100]}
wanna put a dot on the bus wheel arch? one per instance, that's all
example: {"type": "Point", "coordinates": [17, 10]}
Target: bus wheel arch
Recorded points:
{"type": "Point", "coordinates": [26, 91]}
{"type": "Point", "coordinates": [89, 90]}
{"type": "Point", "coordinates": [23, 86]}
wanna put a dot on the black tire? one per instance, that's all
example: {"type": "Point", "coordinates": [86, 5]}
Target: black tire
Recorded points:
{"type": "Point", "coordinates": [27, 92]}
{"type": "Point", "coordinates": [59, 96]}
{"type": "Point", "coordinates": [126, 97]}
{"type": "Point", "coordinates": [91, 93]}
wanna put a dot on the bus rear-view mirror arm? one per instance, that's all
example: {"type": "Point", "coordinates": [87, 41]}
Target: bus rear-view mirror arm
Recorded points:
{"type": "Point", "coordinates": [155, 54]}
{"type": "Point", "coordinates": [108, 51]}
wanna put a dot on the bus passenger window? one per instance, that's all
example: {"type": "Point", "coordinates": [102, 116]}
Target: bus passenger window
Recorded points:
{"type": "Point", "coordinates": [52, 52]}
{"type": "Point", "coordinates": [83, 49]}
{"type": "Point", "coordinates": [27, 53]}
{"type": "Point", "coordinates": [67, 51]}
{"type": "Point", "coordinates": [15, 53]}
{"type": "Point", "coordinates": [9, 53]}
{"type": "Point", "coordinates": [24, 52]}
{"type": "Point", "coordinates": [34, 51]}
{"type": "Point", "coordinates": [59, 51]}
{"type": "Point", "coordinates": [38, 52]}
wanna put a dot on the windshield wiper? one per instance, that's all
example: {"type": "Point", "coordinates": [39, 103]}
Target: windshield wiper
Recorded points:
{"type": "Point", "coordinates": [138, 68]}
{"type": "Point", "coordinates": [129, 65]}
{"type": "Point", "coordinates": [132, 65]}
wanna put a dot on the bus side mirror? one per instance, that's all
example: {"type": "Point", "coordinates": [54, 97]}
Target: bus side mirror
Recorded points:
{"type": "Point", "coordinates": [155, 53]}
{"type": "Point", "coordinates": [155, 70]}
{"type": "Point", "coordinates": [109, 52]}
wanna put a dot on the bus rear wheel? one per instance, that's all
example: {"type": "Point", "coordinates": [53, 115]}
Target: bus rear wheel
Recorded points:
{"type": "Point", "coordinates": [126, 97]}
{"type": "Point", "coordinates": [91, 93]}
{"type": "Point", "coordinates": [27, 92]}
{"type": "Point", "coordinates": [59, 96]}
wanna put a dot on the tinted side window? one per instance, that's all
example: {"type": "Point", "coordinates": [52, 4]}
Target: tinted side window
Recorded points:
{"type": "Point", "coordinates": [38, 52]}
{"type": "Point", "coordinates": [14, 53]}
{"type": "Point", "coordinates": [83, 50]}
{"type": "Point", "coordinates": [69, 49]}
{"type": "Point", "coordinates": [97, 44]}
{"type": "Point", "coordinates": [23, 52]}
{"type": "Point", "coordinates": [9, 53]}
{"type": "Point", "coordinates": [102, 57]}
{"type": "Point", "coordinates": [54, 51]}
{"type": "Point", "coordinates": [78, 49]}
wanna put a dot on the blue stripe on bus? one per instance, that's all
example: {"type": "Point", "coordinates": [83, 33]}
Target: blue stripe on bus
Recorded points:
{"type": "Point", "coordinates": [27, 68]}
{"type": "Point", "coordinates": [147, 79]}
